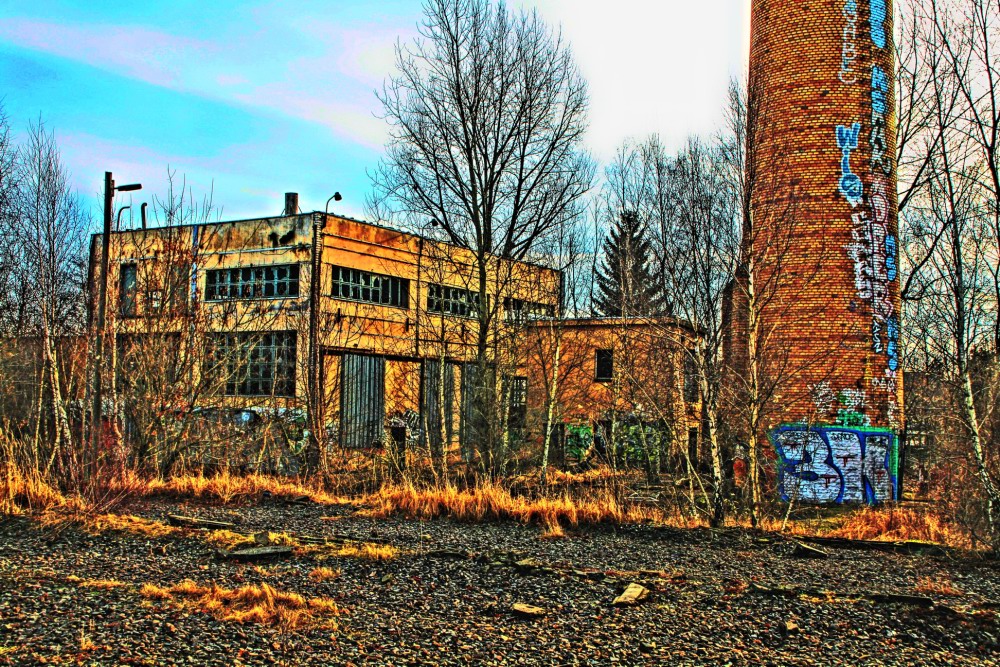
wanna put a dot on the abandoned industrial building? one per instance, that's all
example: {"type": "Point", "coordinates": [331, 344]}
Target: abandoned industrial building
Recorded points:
{"type": "Point", "coordinates": [225, 317]}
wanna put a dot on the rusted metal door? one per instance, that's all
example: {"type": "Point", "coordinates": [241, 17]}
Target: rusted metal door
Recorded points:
{"type": "Point", "coordinates": [362, 401]}
{"type": "Point", "coordinates": [430, 401]}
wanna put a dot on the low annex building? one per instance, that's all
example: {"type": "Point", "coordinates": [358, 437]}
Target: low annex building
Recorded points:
{"type": "Point", "coordinates": [615, 376]}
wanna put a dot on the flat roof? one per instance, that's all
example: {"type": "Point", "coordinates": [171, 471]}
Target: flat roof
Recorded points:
{"type": "Point", "coordinates": [269, 218]}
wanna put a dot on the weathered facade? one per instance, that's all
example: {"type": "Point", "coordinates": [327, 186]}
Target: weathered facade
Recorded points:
{"type": "Point", "coordinates": [234, 310]}
{"type": "Point", "coordinates": [824, 207]}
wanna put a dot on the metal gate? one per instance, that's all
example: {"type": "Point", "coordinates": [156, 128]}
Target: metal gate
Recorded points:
{"type": "Point", "coordinates": [362, 401]}
{"type": "Point", "coordinates": [430, 401]}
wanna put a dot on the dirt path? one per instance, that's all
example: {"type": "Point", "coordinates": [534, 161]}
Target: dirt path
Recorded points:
{"type": "Point", "coordinates": [446, 597]}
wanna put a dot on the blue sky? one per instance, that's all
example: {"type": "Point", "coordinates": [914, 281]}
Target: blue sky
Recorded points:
{"type": "Point", "coordinates": [253, 99]}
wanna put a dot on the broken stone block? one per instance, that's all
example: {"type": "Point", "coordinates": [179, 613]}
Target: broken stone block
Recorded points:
{"type": "Point", "coordinates": [257, 554]}
{"type": "Point", "coordinates": [193, 522]}
{"type": "Point", "coordinates": [633, 595]}
{"type": "Point", "coordinates": [789, 628]}
{"type": "Point", "coordinates": [527, 565]}
{"type": "Point", "coordinates": [527, 610]}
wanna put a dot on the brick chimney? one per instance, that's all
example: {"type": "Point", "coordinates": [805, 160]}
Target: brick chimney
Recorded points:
{"type": "Point", "coordinates": [291, 203]}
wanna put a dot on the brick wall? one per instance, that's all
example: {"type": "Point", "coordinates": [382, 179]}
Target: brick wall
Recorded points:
{"type": "Point", "coordinates": [824, 204]}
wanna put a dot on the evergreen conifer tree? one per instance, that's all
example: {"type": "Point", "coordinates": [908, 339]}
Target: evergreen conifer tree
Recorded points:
{"type": "Point", "coordinates": [625, 281]}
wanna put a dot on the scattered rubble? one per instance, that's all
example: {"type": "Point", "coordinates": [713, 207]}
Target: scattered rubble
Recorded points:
{"type": "Point", "coordinates": [632, 595]}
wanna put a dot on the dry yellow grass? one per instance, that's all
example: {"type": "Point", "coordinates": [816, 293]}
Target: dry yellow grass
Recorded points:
{"type": "Point", "coordinates": [226, 487]}
{"type": "Point", "coordinates": [324, 574]}
{"type": "Point", "coordinates": [896, 524]}
{"type": "Point", "coordinates": [86, 644]}
{"type": "Point", "coordinates": [127, 523]}
{"type": "Point", "coordinates": [261, 604]}
{"type": "Point", "coordinates": [367, 551]}
{"type": "Point", "coordinates": [101, 584]}
{"type": "Point", "coordinates": [227, 539]}
{"type": "Point", "coordinates": [25, 491]}
{"type": "Point", "coordinates": [601, 473]}
{"type": "Point", "coordinates": [940, 585]}
{"type": "Point", "coordinates": [493, 501]}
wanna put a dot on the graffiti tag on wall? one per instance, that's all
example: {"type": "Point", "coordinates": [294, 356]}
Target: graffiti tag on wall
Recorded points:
{"type": "Point", "coordinates": [836, 464]}
{"type": "Point", "coordinates": [873, 247]}
{"type": "Point", "coordinates": [849, 50]}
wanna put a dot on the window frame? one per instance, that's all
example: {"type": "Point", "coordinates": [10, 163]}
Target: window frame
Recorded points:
{"type": "Point", "coordinates": [242, 360]}
{"type": "Point", "coordinates": [517, 409]}
{"type": "Point", "coordinates": [379, 282]}
{"type": "Point", "coordinates": [598, 377]}
{"type": "Point", "coordinates": [445, 300]}
{"type": "Point", "coordinates": [691, 389]}
{"type": "Point", "coordinates": [249, 286]}
{"type": "Point", "coordinates": [522, 311]}
{"type": "Point", "coordinates": [128, 297]}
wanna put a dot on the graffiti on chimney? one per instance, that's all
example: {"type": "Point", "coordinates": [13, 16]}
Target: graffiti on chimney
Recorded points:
{"type": "Point", "coordinates": [836, 464]}
{"type": "Point", "coordinates": [873, 248]}
{"type": "Point", "coordinates": [878, 16]}
{"type": "Point", "coordinates": [850, 184]}
{"type": "Point", "coordinates": [849, 48]}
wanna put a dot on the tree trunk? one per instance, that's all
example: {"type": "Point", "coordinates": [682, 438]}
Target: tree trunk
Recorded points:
{"type": "Point", "coordinates": [550, 410]}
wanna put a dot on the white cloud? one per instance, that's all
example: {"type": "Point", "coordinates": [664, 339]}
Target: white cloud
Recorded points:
{"type": "Point", "coordinates": [653, 66]}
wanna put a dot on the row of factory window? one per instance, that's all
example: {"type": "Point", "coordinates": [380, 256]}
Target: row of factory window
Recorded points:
{"type": "Point", "coordinates": [263, 364]}
{"type": "Point", "coordinates": [281, 281]}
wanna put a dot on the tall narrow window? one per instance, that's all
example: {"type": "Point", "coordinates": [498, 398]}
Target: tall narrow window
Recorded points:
{"type": "Point", "coordinates": [605, 365]}
{"type": "Point", "coordinates": [693, 445]}
{"type": "Point", "coordinates": [452, 300]}
{"type": "Point", "coordinates": [357, 285]}
{"type": "Point", "coordinates": [279, 281]}
{"type": "Point", "coordinates": [690, 379]}
{"type": "Point", "coordinates": [128, 293]}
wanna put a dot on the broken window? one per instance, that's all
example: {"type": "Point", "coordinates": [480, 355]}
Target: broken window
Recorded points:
{"type": "Point", "coordinates": [517, 415]}
{"type": "Point", "coordinates": [367, 287]}
{"type": "Point", "coordinates": [167, 290]}
{"type": "Point", "coordinates": [278, 281]}
{"type": "Point", "coordinates": [605, 365]}
{"type": "Point", "coordinates": [518, 311]}
{"type": "Point", "coordinates": [128, 292]}
{"type": "Point", "coordinates": [252, 363]}
{"type": "Point", "coordinates": [452, 300]}
{"type": "Point", "coordinates": [148, 359]}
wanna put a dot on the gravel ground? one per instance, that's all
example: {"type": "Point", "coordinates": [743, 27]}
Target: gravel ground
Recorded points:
{"type": "Point", "coordinates": [722, 598]}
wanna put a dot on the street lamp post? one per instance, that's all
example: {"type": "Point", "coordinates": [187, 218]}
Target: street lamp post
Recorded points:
{"type": "Point", "coordinates": [315, 280]}
{"type": "Point", "coordinates": [102, 302]}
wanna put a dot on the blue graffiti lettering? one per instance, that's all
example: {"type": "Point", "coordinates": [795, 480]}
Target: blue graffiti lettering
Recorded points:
{"type": "Point", "coordinates": [892, 345]}
{"type": "Point", "coordinates": [878, 16]}
{"type": "Point", "coordinates": [850, 184]}
{"type": "Point", "coordinates": [835, 464]}
{"type": "Point", "coordinates": [890, 256]}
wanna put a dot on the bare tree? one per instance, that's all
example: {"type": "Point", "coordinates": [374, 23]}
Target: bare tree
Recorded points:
{"type": "Point", "coordinates": [952, 236]}
{"type": "Point", "coordinates": [486, 113]}
{"type": "Point", "coordinates": [49, 230]}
